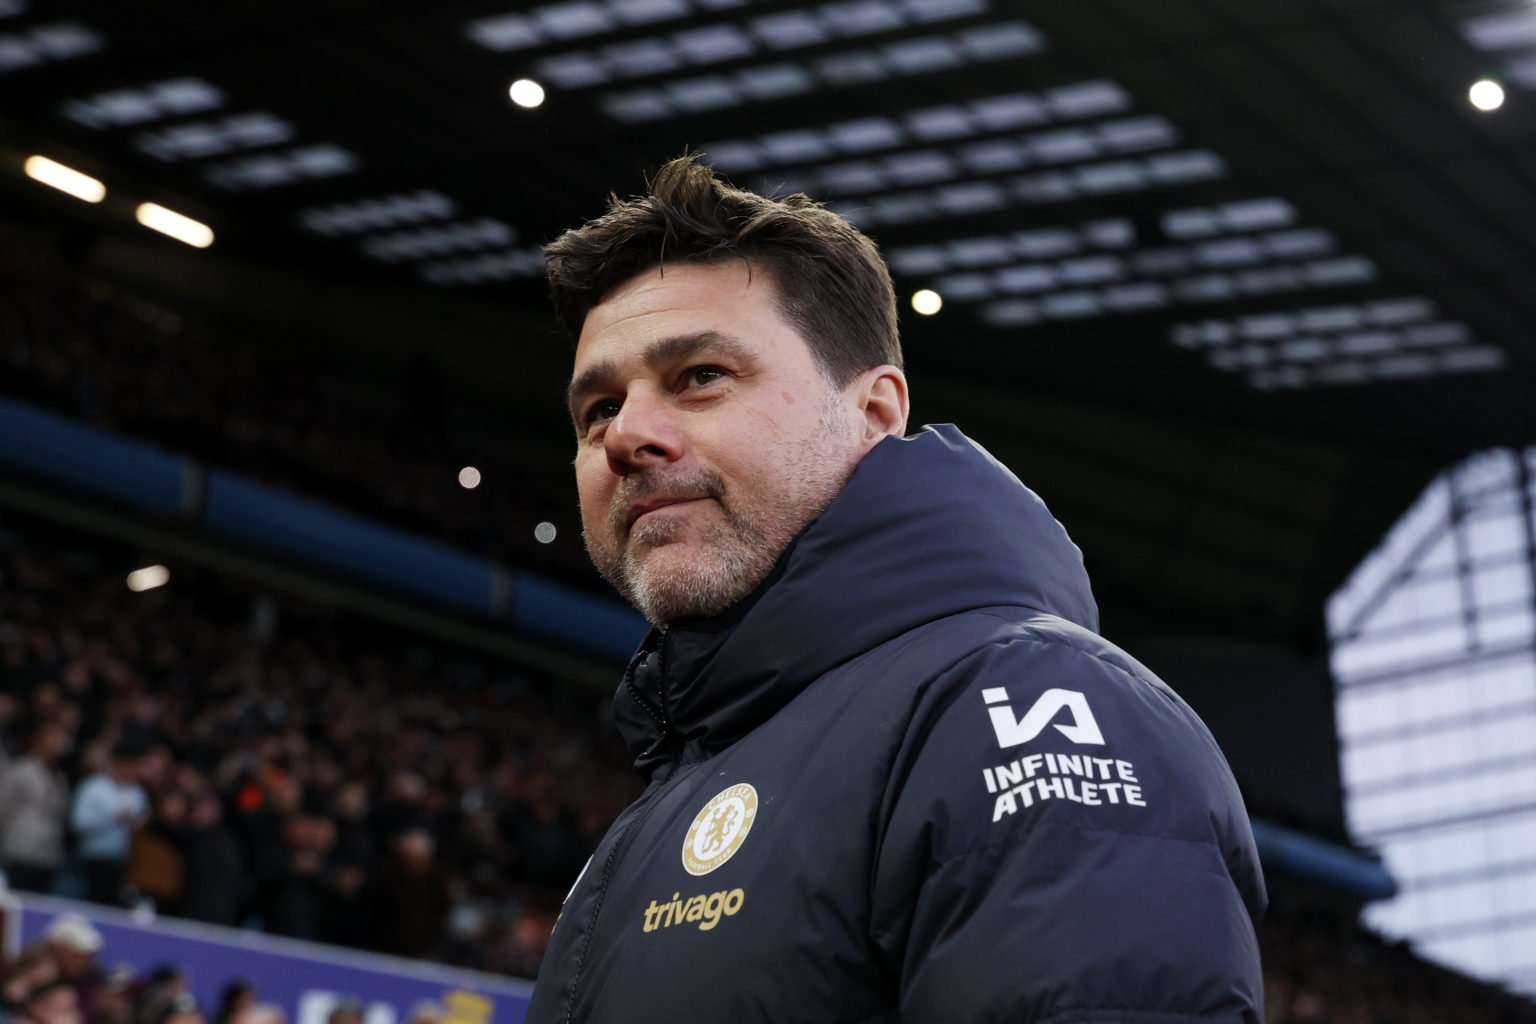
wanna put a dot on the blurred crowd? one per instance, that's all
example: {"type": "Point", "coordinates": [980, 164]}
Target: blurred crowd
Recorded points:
{"type": "Point", "coordinates": [59, 979]}
{"type": "Point", "coordinates": [383, 447]}
{"type": "Point", "coordinates": [220, 755]}
{"type": "Point", "coordinates": [1322, 969]}
{"type": "Point", "coordinates": [63, 977]}
{"type": "Point", "coordinates": [223, 757]}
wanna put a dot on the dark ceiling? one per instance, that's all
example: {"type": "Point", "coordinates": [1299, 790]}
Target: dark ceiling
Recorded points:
{"type": "Point", "coordinates": [1227, 281]}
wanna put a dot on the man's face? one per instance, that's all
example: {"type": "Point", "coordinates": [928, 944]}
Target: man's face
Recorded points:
{"type": "Point", "coordinates": [707, 437]}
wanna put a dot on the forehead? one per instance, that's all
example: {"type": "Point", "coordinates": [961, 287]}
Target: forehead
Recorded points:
{"type": "Point", "coordinates": [730, 297]}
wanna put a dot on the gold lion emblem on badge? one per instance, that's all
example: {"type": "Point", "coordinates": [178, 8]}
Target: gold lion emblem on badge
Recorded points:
{"type": "Point", "coordinates": [719, 829]}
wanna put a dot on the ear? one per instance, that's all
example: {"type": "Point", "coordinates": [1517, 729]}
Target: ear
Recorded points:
{"type": "Point", "coordinates": [881, 396]}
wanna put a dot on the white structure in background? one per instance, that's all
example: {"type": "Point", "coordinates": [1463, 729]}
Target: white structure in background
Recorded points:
{"type": "Point", "coordinates": [1434, 657]}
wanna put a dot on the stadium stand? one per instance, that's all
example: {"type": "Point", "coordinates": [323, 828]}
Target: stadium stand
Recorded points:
{"type": "Point", "coordinates": [126, 364]}
{"type": "Point", "coordinates": [1323, 970]}
{"type": "Point", "coordinates": [356, 784]}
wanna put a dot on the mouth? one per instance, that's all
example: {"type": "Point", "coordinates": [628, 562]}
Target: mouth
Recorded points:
{"type": "Point", "coordinates": [641, 508]}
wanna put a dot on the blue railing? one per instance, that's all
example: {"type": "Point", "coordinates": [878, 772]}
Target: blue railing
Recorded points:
{"type": "Point", "coordinates": [50, 448]}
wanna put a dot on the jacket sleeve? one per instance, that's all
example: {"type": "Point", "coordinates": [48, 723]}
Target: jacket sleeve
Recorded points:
{"type": "Point", "coordinates": [1063, 841]}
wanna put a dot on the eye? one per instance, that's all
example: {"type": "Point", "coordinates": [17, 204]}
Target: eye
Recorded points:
{"type": "Point", "coordinates": [600, 412]}
{"type": "Point", "coordinates": [702, 375]}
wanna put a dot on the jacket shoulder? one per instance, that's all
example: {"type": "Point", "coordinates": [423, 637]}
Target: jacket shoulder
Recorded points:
{"type": "Point", "coordinates": [1038, 689]}
{"type": "Point", "coordinates": [1049, 784]}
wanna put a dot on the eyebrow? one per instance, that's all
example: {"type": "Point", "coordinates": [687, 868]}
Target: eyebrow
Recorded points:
{"type": "Point", "coordinates": [601, 376]}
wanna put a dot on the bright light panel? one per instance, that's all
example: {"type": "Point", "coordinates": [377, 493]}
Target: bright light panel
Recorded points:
{"type": "Point", "coordinates": [1011, 313]}
{"type": "Point", "coordinates": [778, 32]}
{"type": "Point", "coordinates": [927, 301]}
{"type": "Point", "coordinates": [950, 122]}
{"type": "Point", "coordinates": [1339, 345]}
{"type": "Point", "coordinates": [527, 93]}
{"type": "Point", "coordinates": [544, 533]}
{"type": "Point", "coordinates": [178, 226]}
{"type": "Point", "coordinates": [198, 139]}
{"type": "Point", "coordinates": [270, 170]}
{"type": "Point", "coordinates": [172, 97]}
{"type": "Point", "coordinates": [469, 478]}
{"type": "Point", "coordinates": [373, 214]}
{"type": "Point", "coordinates": [65, 179]}
{"type": "Point", "coordinates": [486, 267]}
{"type": "Point", "coordinates": [60, 40]}
{"type": "Point", "coordinates": [148, 578]}
{"type": "Point", "coordinates": [439, 240]}
{"type": "Point", "coordinates": [1504, 30]}
{"type": "Point", "coordinates": [1486, 95]}
{"type": "Point", "coordinates": [856, 67]}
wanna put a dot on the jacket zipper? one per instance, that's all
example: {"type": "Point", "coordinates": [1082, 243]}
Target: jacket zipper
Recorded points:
{"type": "Point", "coordinates": [658, 710]}
{"type": "Point", "coordinates": [659, 715]}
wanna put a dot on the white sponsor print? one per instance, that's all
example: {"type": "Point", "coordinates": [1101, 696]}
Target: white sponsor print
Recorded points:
{"type": "Point", "coordinates": [1035, 778]}
{"type": "Point", "coordinates": [1011, 731]}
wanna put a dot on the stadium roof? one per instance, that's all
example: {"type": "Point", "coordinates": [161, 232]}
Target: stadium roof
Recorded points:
{"type": "Point", "coordinates": [1226, 282]}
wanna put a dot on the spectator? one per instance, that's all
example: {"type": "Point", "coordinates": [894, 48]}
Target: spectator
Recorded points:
{"type": "Point", "coordinates": [215, 889]}
{"type": "Point", "coordinates": [354, 842]}
{"type": "Point", "coordinates": [169, 1007]}
{"type": "Point", "coordinates": [32, 970]}
{"type": "Point", "coordinates": [54, 1003]}
{"type": "Point", "coordinates": [34, 798]}
{"type": "Point", "coordinates": [238, 996]}
{"type": "Point", "coordinates": [114, 997]}
{"type": "Point", "coordinates": [298, 900]}
{"type": "Point", "coordinates": [156, 863]}
{"type": "Point", "coordinates": [352, 731]}
{"type": "Point", "coordinates": [410, 898]}
{"type": "Point", "coordinates": [159, 993]}
{"type": "Point", "coordinates": [108, 806]}
{"type": "Point", "coordinates": [72, 943]}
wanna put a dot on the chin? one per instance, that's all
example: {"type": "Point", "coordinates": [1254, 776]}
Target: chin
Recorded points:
{"type": "Point", "coordinates": [677, 584]}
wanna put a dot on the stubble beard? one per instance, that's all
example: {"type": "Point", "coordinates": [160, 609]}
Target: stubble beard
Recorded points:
{"type": "Point", "coordinates": [738, 547]}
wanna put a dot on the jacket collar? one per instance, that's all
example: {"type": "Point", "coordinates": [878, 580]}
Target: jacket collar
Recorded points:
{"type": "Point", "coordinates": [927, 527]}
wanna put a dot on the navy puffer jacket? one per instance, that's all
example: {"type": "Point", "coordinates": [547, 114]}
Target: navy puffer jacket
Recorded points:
{"type": "Point", "coordinates": [906, 780]}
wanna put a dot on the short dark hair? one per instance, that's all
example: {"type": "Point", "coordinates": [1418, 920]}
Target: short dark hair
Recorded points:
{"type": "Point", "coordinates": [833, 286]}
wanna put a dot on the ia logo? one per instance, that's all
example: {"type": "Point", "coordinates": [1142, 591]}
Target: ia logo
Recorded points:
{"type": "Point", "coordinates": [1013, 731]}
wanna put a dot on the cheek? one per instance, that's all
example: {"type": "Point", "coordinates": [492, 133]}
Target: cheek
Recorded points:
{"type": "Point", "coordinates": [594, 488]}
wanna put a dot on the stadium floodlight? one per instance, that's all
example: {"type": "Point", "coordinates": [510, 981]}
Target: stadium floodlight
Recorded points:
{"type": "Point", "coordinates": [148, 578]}
{"type": "Point", "coordinates": [1486, 95]}
{"type": "Point", "coordinates": [927, 302]}
{"type": "Point", "coordinates": [544, 533]}
{"type": "Point", "coordinates": [65, 179]}
{"type": "Point", "coordinates": [178, 226]}
{"type": "Point", "coordinates": [527, 93]}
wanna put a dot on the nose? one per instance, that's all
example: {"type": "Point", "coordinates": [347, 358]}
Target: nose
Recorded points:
{"type": "Point", "coordinates": [643, 434]}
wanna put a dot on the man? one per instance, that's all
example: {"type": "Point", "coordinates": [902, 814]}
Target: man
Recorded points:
{"type": "Point", "coordinates": [53, 1003]}
{"type": "Point", "coordinates": [894, 773]}
{"type": "Point", "coordinates": [73, 944]}
{"type": "Point", "coordinates": [108, 806]}
{"type": "Point", "coordinates": [34, 801]}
